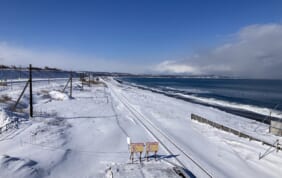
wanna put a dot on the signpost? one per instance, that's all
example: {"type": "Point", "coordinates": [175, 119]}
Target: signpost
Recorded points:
{"type": "Point", "coordinates": [136, 148]}
{"type": "Point", "coordinates": [152, 147]}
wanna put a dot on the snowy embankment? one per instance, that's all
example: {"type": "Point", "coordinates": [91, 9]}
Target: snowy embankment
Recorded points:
{"type": "Point", "coordinates": [85, 135]}
{"type": "Point", "coordinates": [221, 154]}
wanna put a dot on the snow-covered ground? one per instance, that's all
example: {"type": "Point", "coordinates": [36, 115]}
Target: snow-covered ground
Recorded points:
{"type": "Point", "coordinates": [86, 135]}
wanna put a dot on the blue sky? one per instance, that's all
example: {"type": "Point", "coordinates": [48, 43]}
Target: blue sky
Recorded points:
{"type": "Point", "coordinates": [130, 36]}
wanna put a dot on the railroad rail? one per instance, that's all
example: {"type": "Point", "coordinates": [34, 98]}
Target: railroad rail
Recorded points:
{"type": "Point", "coordinates": [157, 133]}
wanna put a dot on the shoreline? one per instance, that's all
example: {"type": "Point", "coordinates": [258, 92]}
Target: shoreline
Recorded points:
{"type": "Point", "coordinates": [247, 114]}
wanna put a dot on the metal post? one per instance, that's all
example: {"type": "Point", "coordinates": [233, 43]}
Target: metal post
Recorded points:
{"type": "Point", "coordinates": [30, 91]}
{"type": "Point", "coordinates": [18, 100]}
{"type": "Point", "coordinates": [155, 156]}
{"type": "Point", "coordinates": [89, 80]}
{"type": "Point", "coordinates": [81, 79]}
{"type": "Point", "coordinates": [66, 85]}
{"type": "Point", "coordinates": [71, 84]}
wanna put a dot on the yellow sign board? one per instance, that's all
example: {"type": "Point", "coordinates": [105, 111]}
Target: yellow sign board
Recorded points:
{"type": "Point", "coordinates": [136, 147]}
{"type": "Point", "coordinates": [152, 146]}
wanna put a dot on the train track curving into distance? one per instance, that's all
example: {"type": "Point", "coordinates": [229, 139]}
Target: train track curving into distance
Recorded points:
{"type": "Point", "coordinates": [165, 141]}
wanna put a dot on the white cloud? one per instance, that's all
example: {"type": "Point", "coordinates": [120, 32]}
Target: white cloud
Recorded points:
{"type": "Point", "coordinates": [256, 51]}
{"type": "Point", "coordinates": [174, 67]}
{"type": "Point", "coordinates": [23, 56]}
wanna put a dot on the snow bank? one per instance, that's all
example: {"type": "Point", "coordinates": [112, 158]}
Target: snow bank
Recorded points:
{"type": "Point", "coordinates": [148, 170]}
{"type": "Point", "coordinates": [18, 167]}
{"type": "Point", "coordinates": [57, 95]}
{"type": "Point", "coordinates": [4, 118]}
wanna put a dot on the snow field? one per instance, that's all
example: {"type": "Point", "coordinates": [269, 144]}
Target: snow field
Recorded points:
{"type": "Point", "coordinates": [86, 135]}
{"type": "Point", "coordinates": [79, 137]}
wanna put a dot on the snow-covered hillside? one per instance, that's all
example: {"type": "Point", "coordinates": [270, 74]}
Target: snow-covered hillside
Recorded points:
{"type": "Point", "coordinates": [86, 136]}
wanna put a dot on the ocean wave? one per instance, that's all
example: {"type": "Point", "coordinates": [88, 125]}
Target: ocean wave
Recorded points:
{"type": "Point", "coordinates": [215, 102]}
{"type": "Point", "coordinates": [252, 108]}
{"type": "Point", "coordinates": [188, 90]}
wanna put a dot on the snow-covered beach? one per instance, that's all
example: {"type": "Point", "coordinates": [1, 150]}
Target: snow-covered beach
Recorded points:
{"type": "Point", "coordinates": [86, 135]}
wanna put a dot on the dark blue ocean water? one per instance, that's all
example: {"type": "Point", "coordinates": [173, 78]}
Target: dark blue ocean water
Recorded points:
{"type": "Point", "coordinates": [250, 94]}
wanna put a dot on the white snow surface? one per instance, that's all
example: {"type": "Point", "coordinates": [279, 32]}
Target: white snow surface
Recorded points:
{"type": "Point", "coordinates": [4, 118]}
{"type": "Point", "coordinates": [86, 135]}
{"type": "Point", "coordinates": [57, 95]}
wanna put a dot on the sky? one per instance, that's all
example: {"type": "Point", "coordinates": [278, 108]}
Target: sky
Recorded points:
{"type": "Point", "coordinates": [198, 37]}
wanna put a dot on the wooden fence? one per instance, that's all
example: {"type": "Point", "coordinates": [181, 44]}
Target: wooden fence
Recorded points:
{"type": "Point", "coordinates": [231, 130]}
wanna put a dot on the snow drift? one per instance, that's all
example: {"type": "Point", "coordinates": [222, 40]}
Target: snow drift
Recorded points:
{"type": "Point", "coordinates": [57, 95]}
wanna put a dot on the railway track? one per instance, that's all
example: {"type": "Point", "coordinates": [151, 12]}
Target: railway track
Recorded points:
{"type": "Point", "coordinates": [165, 141]}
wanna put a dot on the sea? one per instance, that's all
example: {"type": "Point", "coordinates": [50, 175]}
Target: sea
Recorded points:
{"type": "Point", "coordinates": [258, 99]}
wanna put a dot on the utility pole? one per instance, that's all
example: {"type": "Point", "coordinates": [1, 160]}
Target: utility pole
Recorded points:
{"type": "Point", "coordinates": [82, 78]}
{"type": "Point", "coordinates": [71, 84]}
{"type": "Point", "coordinates": [30, 91]}
{"type": "Point", "coordinates": [89, 80]}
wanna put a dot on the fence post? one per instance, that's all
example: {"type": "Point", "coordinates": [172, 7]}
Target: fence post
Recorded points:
{"type": "Point", "coordinates": [30, 91]}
